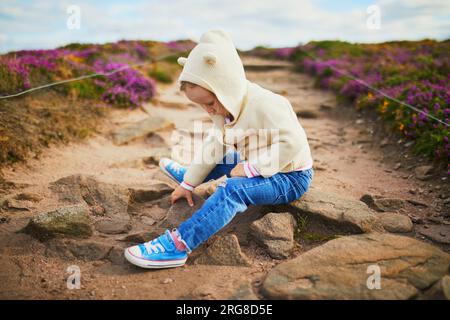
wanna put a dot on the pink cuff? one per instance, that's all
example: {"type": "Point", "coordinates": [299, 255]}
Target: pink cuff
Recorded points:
{"type": "Point", "coordinates": [187, 186]}
{"type": "Point", "coordinates": [250, 170]}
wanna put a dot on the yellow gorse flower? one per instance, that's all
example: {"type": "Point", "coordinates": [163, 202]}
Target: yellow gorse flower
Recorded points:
{"type": "Point", "coordinates": [75, 58]}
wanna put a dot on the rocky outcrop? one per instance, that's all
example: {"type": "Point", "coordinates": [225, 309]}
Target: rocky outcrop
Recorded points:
{"type": "Point", "coordinates": [104, 199]}
{"type": "Point", "coordinates": [350, 214]}
{"type": "Point", "coordinates": [345, 268]}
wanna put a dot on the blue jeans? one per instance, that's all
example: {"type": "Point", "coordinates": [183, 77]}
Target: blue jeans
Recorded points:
{"type": "Point", "coordinates": [236, 195]}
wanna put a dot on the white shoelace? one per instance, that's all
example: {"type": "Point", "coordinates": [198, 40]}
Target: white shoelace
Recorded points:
{"type": "Point", "coordinates": [176, 167]}
{"type": "Point", "coordinates": [154, 247]}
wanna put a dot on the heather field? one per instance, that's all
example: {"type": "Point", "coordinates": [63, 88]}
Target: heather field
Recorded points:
{"type": "Point", "coordinates": [128, 75]}
{"type": "Point", "coordinates": [128, 87]}
{"type": "Point", "coordinates": [414, 72]}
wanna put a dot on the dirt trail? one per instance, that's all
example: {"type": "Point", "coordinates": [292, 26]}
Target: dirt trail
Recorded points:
{"type": "Point", "coordinates": [348, 159]}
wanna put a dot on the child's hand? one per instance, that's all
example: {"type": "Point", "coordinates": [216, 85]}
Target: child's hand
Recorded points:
{"type": "Point", "coordinates": [238, 171]}
{"type": "Point", "coordinates": [181, 192]}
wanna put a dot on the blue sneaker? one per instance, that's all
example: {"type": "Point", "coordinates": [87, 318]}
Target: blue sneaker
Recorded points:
{"type": "Point", "coordinates": [158, 253]}
{"type": "Point", "coordinates": [173, 169]}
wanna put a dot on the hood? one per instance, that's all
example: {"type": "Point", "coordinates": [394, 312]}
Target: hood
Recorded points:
{"type": "Point", "coordinates": [215, 65]}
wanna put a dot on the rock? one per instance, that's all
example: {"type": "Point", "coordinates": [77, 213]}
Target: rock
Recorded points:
{"type": "Point", "coordinates": [341, 269]}
{"type": "Point", "coordinates": [167, 280]}
{"type": "Point", "coordinates": [34, 197]}
{"type": "Point", "coordinates": [149, 212]}
{"type": "Point", "coordinates": [108, 226]}
{"type": "Point", "coordinates": [224, 251]}
{"type": "Point", "coordinates": [20, 205]}
{"type": "Point", "coordinates": [423, 172]}
{"type": "Point", "coordinates": [417, 203]}
{"type": "Point", "coordinates": [397, 223]}
{"type": "Point", "coordinates": [326, 107]}
{"type": "Point", "coordinates": [85, 250]}
{"type": "Point", "coordinates": [275, 232]}
{"type": "Point", "coordinates": [350, 214]}
{"type": "Point", "coordinates": [243, 292]}
{"type": "Point", "coordinates": [144, 236]}
{"type": "Point", "coordinates": [153, 192]}
{"type": "Point", "coordinates": [4, 220]}
{"type": "Point", "coordinates": [203, 292]}
{"type": "Point", "coordinates": [156, 140]}
{"type": "Point", "coordinates": [438, 233]}
{"type": "Point", "coordinates": [116, 255]}
{"type": "Point", "coordinates": [307, 114]}
{"type": "Point", "coordinates": [89, 250]}
{"type": "Point", "coordinates": [388, 204]}
{"type": "Point", "coordinates": [156, 154]}
{"type": "Point", "coordinates": [439, 291]}
{"type": "Point", "coordinates": [140, 129]}
{"type": "Point", "coordinates": [71, 221]}
{"type": "Point", "coordinates": [104, 199]}
{"type": "Point", "coordinates": [180, 211]}
{"type": "Point", "coordinates": [369, 198]}
{"type": "Point", "coordinates": [380, 203]}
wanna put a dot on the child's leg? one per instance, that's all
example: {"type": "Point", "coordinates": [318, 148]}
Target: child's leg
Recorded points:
{"type": "Point", "coordinates": [230, 160]}
{"type": "Point", "coordinates": [235, 196]}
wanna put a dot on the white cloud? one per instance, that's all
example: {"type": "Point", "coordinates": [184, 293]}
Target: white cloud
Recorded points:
{"type": "Point", "coordinates": [42, 24]}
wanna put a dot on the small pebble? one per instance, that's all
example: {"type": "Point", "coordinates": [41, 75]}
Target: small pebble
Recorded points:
{"type": "Point", "coordinates": [167, 280]}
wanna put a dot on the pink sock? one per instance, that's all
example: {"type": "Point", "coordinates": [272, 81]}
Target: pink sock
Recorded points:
{"type": "Point", "coordinates": [178, 244]}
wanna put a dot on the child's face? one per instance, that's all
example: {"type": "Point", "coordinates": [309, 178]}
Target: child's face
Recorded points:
{"type": "Point", "coordinates": [206, 99]}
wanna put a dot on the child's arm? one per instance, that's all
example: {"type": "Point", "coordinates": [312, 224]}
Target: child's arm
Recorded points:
{"type": "Point", "coordinates": [205, 159]}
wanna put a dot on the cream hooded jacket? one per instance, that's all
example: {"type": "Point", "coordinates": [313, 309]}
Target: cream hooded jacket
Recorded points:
{"type": "Point", "coordinates": [265, 130]}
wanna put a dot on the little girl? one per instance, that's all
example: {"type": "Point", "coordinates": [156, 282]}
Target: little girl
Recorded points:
{"type": "Point", "coordinates": [271, 162]}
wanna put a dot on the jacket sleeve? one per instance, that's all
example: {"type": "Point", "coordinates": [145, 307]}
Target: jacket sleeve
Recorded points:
{"type": "Point", "coordinates": [281, 146]}
{"type": "Point", "coordinates": [206, 158]}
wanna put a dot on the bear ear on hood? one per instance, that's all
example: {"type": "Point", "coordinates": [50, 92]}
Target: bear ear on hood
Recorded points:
{"type": "Point", "coordinates": [210, 58]}
{"type": "Point", "coordinates": [181, 61]}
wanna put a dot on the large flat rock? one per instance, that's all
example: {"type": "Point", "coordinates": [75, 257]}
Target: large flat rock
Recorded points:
{"type": "Point", "coordinates": [104, 199]}
{"type": "Point", "coordinates": [340, 269]}
{"type": "Point", "coordinates": [349, 213]}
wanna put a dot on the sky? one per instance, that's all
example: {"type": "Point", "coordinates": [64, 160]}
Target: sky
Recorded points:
{"type": "Point", "coordinates": [46, 24]}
